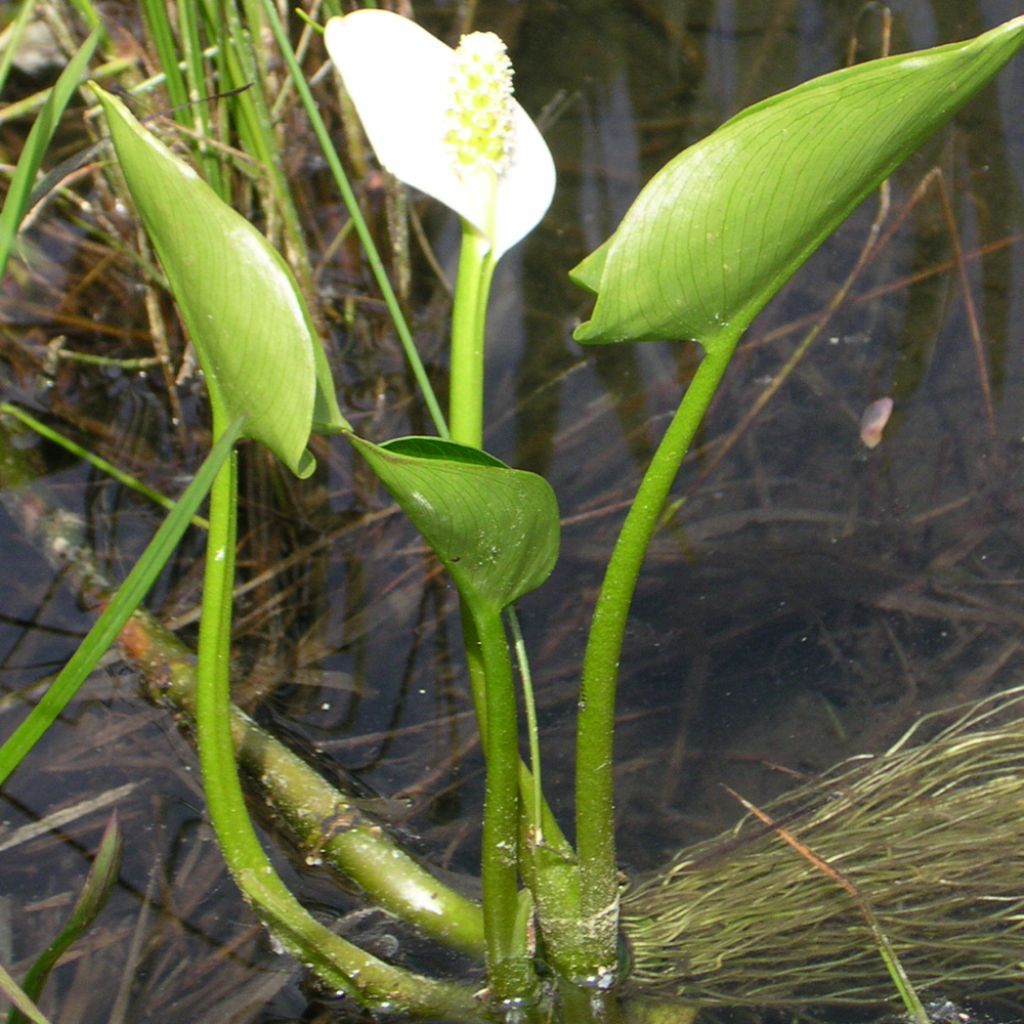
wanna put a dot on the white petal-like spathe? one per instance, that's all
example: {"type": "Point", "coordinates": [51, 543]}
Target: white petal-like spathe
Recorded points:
{"type": "Point", "coordinates": [398, 75]}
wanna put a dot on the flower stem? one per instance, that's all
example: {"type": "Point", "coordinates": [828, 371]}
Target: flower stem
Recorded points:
{"type": "Point", "coordinates": [510, 790]}
{"type": "Point", "coordinates": [595, 821]}
{"type": "Point", "coordinates": [469, 320]}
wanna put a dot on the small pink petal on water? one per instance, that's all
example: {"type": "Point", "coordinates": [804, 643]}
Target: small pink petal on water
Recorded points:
{"type": "Point", "coordinates": [873, 422]}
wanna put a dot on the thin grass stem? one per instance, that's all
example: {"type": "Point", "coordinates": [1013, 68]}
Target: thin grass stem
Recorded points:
{"type": "Point", "coordinates": [108, 468]}
{"type": "Point", "coordinates": [352, 205]}
{"type": "Point", "coordinates": [159, 24]}
{"type": "Point", "coordinates": [533, 809]}
{"type": "Point", "coordinates": [196, 115]}
{"type": "Point", "coordinates": [253, 106]}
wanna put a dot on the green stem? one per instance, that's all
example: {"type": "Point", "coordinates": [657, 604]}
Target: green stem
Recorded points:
{"type": "Point", "coordinates": [547, 861]}
{"type": "Point", "coordinates": [515, 812]}
{"type": "Point", "coordinates": [213, 711]}
{"type": "Point", "coordinates": [337, 962]}
{"type": "Point", "coordinates": [475, 670]}
{"type": "Point", "coordinates": [595, 820]}
{"type": "Point", "coordinates": [545, 857]}
{"type": "Point", "coordinates": [469, 320]}
{"type": "Point", "coordinates": [509, 970]}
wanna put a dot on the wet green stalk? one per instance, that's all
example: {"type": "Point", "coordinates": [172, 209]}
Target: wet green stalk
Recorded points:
{"type": "Point", "coordinates": [547, 861]}
{"type": "Point", "coordinates": [595, 945]}
{"type": "Point", "coordinates": [509, 969]}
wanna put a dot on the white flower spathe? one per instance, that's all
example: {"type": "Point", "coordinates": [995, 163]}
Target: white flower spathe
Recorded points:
{"type": "Point", "coordinates": [411, 93]}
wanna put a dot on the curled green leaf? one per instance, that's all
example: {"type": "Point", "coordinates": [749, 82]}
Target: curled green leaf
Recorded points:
{"type": "Point", "coordinates": [718, 231]}
{"type": "Point", "coordinates": [239, 300]}
{"type": "Point", "coordinates": [496, 529]}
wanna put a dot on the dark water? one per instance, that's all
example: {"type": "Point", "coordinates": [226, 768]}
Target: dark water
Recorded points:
{"type": "Point", "coordinates": [807, 602]}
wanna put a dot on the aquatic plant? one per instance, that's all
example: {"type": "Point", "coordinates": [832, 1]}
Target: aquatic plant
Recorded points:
{"type": "Point", "coordinates": [706, 245]}
{"type": "Point", "coordinates": [951, 903]}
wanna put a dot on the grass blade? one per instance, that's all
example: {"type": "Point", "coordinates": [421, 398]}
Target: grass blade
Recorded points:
{"type": "Point", "coordinates": [129, 481]}
{"type": "Point", "coordinates": [17, 200]}
{"type": "Point", "coordinates": [14, 31]}
{"type": "Point", "coordinates": [110, 623]}
{"type": "Point", "coordinates": [13, 991]}
{"type": "Point", "coordinates": [159, 24]}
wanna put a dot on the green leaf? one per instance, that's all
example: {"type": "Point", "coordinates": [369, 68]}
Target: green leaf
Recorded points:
{"type": "Point", "coordinates": [238, 299]}
{"type": "Point", "coordinates": [724, 225]}
{"type": "Point", "coordinates": [495, 528]}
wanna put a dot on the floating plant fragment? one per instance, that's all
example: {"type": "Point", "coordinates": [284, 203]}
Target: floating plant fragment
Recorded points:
{"type": "Point", "coordinates": [873, 422]}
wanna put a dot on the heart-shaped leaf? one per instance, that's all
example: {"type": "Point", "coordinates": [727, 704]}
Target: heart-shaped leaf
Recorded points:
{"type": "Point", "coordinates": [724, 225]}
{"type": "Point", "coordinates": [495, 528]}
{"type": "Point", "coordinates": [238, 298]}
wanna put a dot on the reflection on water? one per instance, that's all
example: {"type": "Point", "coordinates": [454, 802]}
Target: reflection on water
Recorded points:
{"type": "Point", "coordinates": [807, 600]}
